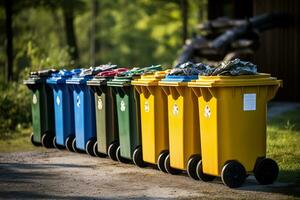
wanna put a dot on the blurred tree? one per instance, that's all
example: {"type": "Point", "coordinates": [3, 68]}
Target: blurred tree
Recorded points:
{"type": "Point", "coordinates": [94, 45]}
{"type": "Point", "coordinates": [184, 16]}
{"type": "Point", "coordinates": [8, 4]}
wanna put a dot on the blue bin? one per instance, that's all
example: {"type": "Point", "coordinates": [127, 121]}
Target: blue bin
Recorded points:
{"type": "Point", "coordinates": [63, 108]}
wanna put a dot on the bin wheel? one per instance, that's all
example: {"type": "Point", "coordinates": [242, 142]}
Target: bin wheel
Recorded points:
{"type": "Point", "coordinates": [233, 174]}
{"type": "Point", "coordinates": [138, 157]}
{"type": "Point", "coordinates": [47, 140]}
{"type": "Point", "coordinates": [168, 167]}
{"type": "Point", "coordinates": [201, 175]}
{"type": "Point", "coordinates": [69, 142]}
{"type": "Point", "coordinates": [161, 161]}
{"type": "Point", "coordinates": [120, 158]}
{"type": "Point", "coordinates": [75, 149]}
{"type": "Point", "coordinates": [89, 147]}
{"type": "Point", "coordinates": [191, 166]}
{"type": "Point", "coordinates": [57, 146]}
{"type": "Point", "coordinates": [266, 171]}
{"type": "Point", "coordinates": [96, 152]}
{"type": "Point", "coordinates": [112, 151]}
{"type": "Point", "coordinates": [37, 144]}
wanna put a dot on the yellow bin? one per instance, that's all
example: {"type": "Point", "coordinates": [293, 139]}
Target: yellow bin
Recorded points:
{"type": "Point", "coordinates": [232, 112]}
{"type": "Point", "coordinates": [154, 119]}
{"type": "Point", "coordinates": [184, 138]}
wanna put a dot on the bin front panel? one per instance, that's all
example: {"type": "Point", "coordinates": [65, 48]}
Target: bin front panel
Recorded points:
{"type": "Point", "coordinates": [154, 123]}
{"type": "Point", "coordinates": [47, 109]}
{"type": "Point", "coordinates": [241, 127]}
{"type": "Point", "coordinates": [184, 139]}
{"type": "Point", "coordinates": [36, 116]}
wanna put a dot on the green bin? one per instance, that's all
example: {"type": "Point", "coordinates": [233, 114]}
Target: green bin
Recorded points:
{"type": "Point", "coordinates": [42, 108]}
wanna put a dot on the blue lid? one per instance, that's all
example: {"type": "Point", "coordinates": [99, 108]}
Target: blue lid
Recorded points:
{"type": "Point", "coordinates": [78, 79]}
{"type": "Point", "coordinates": [173, 78]}
{"type": "Point", "coordinates": [62, 76]}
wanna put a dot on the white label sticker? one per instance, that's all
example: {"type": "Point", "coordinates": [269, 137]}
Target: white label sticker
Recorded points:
{"type": "Point", "coordinates": [175, 109]}
{"type": "Point", "coordinates": [34, 99]}
{"type": "Point", "coordinates": [100, 103]}
{"type": "Point", "coordinates": [249, 102]}
{"type": "Point", "coordinates": [123, 106]}
{"type": "Point", "coordinates": [57, 100]}
{"type": "Point", "coordinates": [78, 101]}
{"type": "Point", "coordinates": [146, 106]}
{"type": "Point", "coordinates": [207, 112]}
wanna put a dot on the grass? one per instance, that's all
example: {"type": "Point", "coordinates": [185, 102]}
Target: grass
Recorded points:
{"type": "Point", "coordinates": [283, 144]}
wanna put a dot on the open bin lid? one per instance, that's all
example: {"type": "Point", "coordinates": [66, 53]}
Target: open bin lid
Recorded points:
{"type": "Point", "coordinates": [39, 76]}
{"type": "Point", "coordinates": [150, 79]}
{"type": "Point", "coordinates": [102, 77]}
{"type": "Point", "coordinates": [235, 81]}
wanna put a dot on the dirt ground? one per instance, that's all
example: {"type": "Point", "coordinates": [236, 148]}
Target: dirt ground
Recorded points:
{"type": "Point", "coordinates": [54, 174]}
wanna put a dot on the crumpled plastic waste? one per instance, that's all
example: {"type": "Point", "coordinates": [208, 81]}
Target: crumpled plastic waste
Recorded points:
{"type": "Point", "coordinates": [190, 69]}
{"type": "Point", "coordinates": [234, 68]}
{"type": "Point", "coordinates": [95, 70]}
{"type": "Point", "coordinates": [139, 71]}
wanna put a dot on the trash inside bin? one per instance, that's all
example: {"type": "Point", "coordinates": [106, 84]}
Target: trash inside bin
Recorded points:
{"type": "Point", "coordinates": [127, 105]}
{"type": "Point", "coordinates": [84, 112]}
{"type": "Point", "coordinates": [63, 108]}
{"type": "Point", "coordinates": [42, 108]}
{"type": "Point", "coordinates": [106, 114]}
{"type": "Point", "coordinates": [232, 112]}
{"type": "Point", "coordinates": [154, 120]}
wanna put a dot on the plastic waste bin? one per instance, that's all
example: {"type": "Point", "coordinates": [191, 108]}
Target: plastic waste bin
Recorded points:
{"type": "Point", "coordinates": [184, 139]}
{"type": "Point", "coordinates": [63, 108]}
{"type": "Point", "coordinates": [127, 105]}
{"type": "Point", "coordinates": [42, 108]}
{"type": "Point", "coordinates": [154, 120]}
{"type": "Point", "coordinates": [84, 112]}
{"type": "Point", "coordinates": [232, 112]}
{"type": "Point", "coordinates": [106, 114]}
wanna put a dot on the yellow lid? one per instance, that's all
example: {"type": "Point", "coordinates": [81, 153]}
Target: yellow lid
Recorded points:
{"type": "Point", "coordinates": [150, 79]}
{"type": "Point", "coordinates": [229, 81]}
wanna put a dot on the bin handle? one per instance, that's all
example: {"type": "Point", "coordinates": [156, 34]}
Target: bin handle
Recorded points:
{"type": "Point", "coordinates": [272, 90]}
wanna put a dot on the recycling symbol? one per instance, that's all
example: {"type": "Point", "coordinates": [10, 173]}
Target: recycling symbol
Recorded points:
{"type": "Point", "coordinates": [207, 112]}
{"type": "Point", "coordinates": [78, 101]}
{"type": "Point", "coordinates": [100, 103]}
{"type": "Point", "coordinates": [123, 106]}
{"type": "Point", "coordinates": [175, 109]}
{"type": "Point", "coordinates": [34, 99]}
{"type": "Point", "coordinates": [57, 100]}
{"type": "Point", "coordinates": [146, 106]}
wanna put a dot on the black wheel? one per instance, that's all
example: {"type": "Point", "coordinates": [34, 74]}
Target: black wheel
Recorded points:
{"type": "Point", "coordinates": [69, 142]}
{"type": "Point", "coordinates": [119, 157]}
{"type": "Point", "coordinates": [233, 174]}
{"type": "Point", "coordinates": [168, 167]}
{"type": "Point", "coordinates": [57, 146]}
{"type": "Point", "coordinates": [138, 157]}
{"type": "Point", "coordinates": [112, 151]}
{"type": "Point", "coordinates": [201, 175]}
{"type": "Point", "coordinates": [96, 152]}
{"type": "Point", "coordinates": [89, 147]}
{"type": "Point", "coordinates": [191, 166]}
{"type": "Point", "coordinates": [161, 161]}
{"type": "Point", "coordinates": [75, 149]}
{"type": "Point", "coordinates": [37, 144]}
{"type": "Point", "coordinates": [47, 140]}
{"type": "Point", "coordinates": [266, 171]}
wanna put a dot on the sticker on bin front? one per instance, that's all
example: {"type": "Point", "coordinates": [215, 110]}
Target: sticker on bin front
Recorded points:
{"type": "Point", "coordinates": [123, 106]}
{"type": "Point", "coordinates": [146, 106]}
{"type": "Point", "coordinates": [207, 112]}
{"type": "Point", "coordinates": [175, 109]}
{"type": "Point", "coordinates": [34, 99]}
{"type": "Point", "coordinates": [78, 101]}
{"type": "Point", "coordinates": [249, 102]}
{"type": "Point", "coordinates": [57, 100]}
{"type": "Point", "coordinates": [100, 103]}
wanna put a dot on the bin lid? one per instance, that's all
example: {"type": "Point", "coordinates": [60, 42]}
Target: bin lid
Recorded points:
{"type": "Point", "coordinates": [102, 77]}
{"type": "Point", "coordinates": [150, 79]}
{"type": "Point", "coordinates": [39, 76]}
{"type": "Point", "coordinates": [95, 70]}
{"type": "Point", "coordinates": [230, 81]}
{"type": "Point", "coordinates": [125, 78]}
{"type": "Point", "coordinates": [62, 76]}
{"type": "Point", "coordinates": [174, 80]}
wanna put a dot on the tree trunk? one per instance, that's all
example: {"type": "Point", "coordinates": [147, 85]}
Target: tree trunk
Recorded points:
{"type": "Point", "coordinates": [70, 32]}
{"type": "Point", "coordinates": [9, 41]}
{"type": "Point", "coordinates": [184, 17]}
{"type": "Point", "coordinates": [93, 45]}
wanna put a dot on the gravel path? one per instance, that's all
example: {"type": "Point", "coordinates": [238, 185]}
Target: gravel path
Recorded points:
{"type": "Point", "coordinates": [54, 174]}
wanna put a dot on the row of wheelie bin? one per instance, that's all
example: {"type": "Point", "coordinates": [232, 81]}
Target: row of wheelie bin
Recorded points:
{"type": "Point", "coordinates": [206, 126]}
